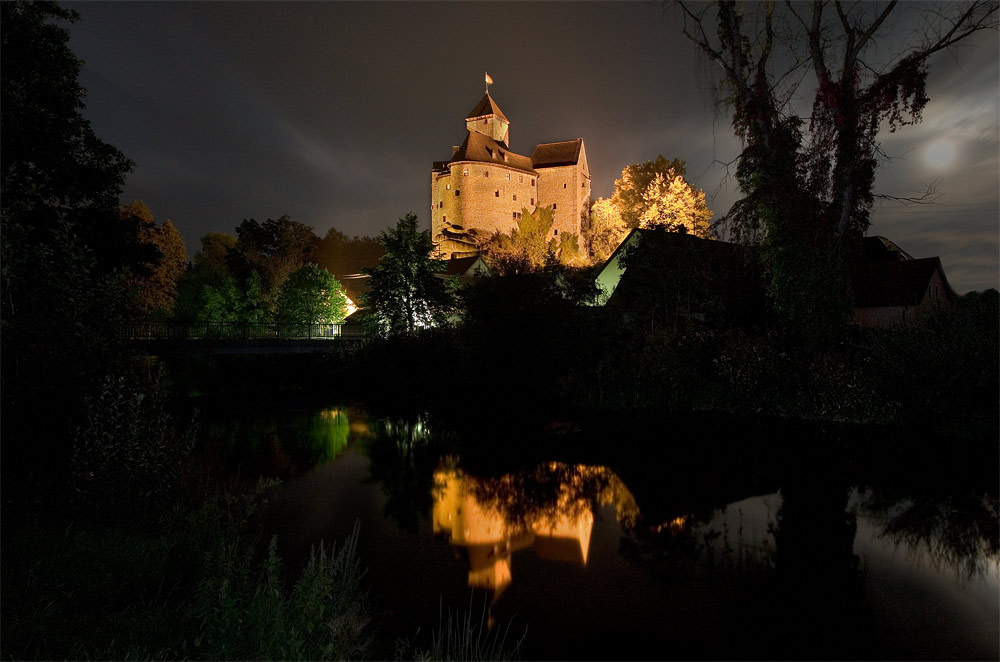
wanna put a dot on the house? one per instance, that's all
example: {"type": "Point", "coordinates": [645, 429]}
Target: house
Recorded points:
{"type": "Point", "coordinates": [660, 277]}
{"type": "Point", "coordinates": [890, 292]}
{"type": "Point", "coordinates": [683, 276]}
{"type": "Point", "coordinates": [485, 186]}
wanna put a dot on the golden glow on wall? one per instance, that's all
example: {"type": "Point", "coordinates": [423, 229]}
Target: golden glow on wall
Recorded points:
{"type": "Point", "coordinates": [550, 511]}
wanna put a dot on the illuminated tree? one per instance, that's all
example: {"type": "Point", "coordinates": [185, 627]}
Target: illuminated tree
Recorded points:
{"type": "Point", "coordinates": [605, 230]}
{"type": "Point", "coordinates": [406, 291]}
{"type": "Point", "coordinates": [808, 181]}
{"type": "Point", "coordinates": [674, 204]}
{"type": "Point", "coordinates": [650, 194]}
{"type": "Point", "coordinates": [311, 295]}
{"type": "Point", "coordinates": [526, 247]}
{"type": "Point", "coordinates": [155, 281]}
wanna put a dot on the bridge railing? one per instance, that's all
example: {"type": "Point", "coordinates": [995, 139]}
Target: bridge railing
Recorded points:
{"type": "Point", "coordinates": [161, 330]}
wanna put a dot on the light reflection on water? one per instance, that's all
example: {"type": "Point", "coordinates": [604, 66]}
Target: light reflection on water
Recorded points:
{"type": "Point", "coordinates": [568, 550]}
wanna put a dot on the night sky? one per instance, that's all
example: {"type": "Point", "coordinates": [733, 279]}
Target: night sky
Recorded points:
{"type": "Point", "coordinates": [332, 113]}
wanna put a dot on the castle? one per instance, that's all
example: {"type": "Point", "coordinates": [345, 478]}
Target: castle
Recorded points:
{"type": "Point", "coordinates": [485, 187]}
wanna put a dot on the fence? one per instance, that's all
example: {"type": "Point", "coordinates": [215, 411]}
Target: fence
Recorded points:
{"type": "Point", "coordinates": [155, 330]}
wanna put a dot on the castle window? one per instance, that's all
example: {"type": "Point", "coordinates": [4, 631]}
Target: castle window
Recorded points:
{"type": "Point", "coordinates": [458, 192]}
{"type": "Point", "coordinates": [532, 182]}
{"type": "Point", "coordinates": [465, 173]}
{"type": "Point", "coordinates": [515, 197]}
{"type": "Point", "coordinates": [486, 173]}
{"type": "Point", "coordinates": [520, 179]}
{"type": "Point", "coordinates": [441, 204]}
{"type": "Point", "coordinates": [556, 232]}
{"type": "Point", "coordinates": [508, 176]}
{"type": "Point", "coordinates": [564, 184]}
{"type": "Point", "coordinates": [444, 219]}
{"type": "Point", "coordinates": [447, 187]}
{"type": "Point", "coordinates": [553, 206]}
{"type": "Point", "coordinates": [532, 202]}
{"type": "Point", "coordinates": [497, 193]}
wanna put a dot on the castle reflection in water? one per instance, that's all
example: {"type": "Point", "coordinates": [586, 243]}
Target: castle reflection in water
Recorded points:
{"type": "Point", "coordinates": [553, 514]}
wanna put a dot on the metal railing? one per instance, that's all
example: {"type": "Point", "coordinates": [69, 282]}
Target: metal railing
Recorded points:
{"type": "Point", "coordinates": [159, 330]}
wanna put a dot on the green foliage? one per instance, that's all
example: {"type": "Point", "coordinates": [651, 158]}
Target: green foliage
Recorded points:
{"type": "Point", "coordinates": [227, 303]}
{"type": "Point", "coordinates": [459, 637]}
{"type": "Point", "coordinates": [129, 454]}
{"type": "Point", "coordinates": [311, 296]}
{"type": "Point", "coordinates": [406, 292]}
{"type": "Point", "coordinates": [526, 247]}
{"type": "Point", "coordinates": [247, 610]}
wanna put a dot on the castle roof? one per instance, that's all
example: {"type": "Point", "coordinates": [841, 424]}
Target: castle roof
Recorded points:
{"type": "Point", "coordinates": [550, 155]}
{"type": "Point", "coordinates": [479, 147]}
{"type": "Point", "coordinates": [487, 106]}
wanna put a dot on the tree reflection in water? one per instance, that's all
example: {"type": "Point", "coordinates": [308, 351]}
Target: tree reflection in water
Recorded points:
{"type": "Point", "coordinates": [404, 455]}
{"type": "Point", "coordinates": [549, 509]}
{"type": "Point", "coordinates": [961, 532]}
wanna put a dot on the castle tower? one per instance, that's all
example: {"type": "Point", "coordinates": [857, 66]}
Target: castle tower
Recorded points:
{"type": "Point", "coordinates": [487, 118]}
{"type": "Point", "coordinates": [485, 188]}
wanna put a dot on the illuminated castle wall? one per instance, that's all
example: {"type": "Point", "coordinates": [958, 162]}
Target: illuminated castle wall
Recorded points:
{"type": "Point", "coordinates": [558, 531]}
{"type": "Point", "coordinates": [485, 186]}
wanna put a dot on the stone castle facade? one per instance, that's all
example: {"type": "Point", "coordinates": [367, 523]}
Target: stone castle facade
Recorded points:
{"type": "Point", "coordinates": [485, 187]}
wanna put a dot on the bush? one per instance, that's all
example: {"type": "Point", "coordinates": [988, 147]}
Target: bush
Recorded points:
{"type": "Point", "coordinates": [129, 455]}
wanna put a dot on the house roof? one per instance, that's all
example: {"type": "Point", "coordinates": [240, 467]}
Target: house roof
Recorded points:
{"type": "Point", "coordinates": [463, 266]}
{"type": "Point", "coordinates": [900, 283]}
{"type": "Point", "coordinates": [479, 147]}
{"type": "Point", "coordinates": [880, 249]}
{"type": "Point", "coordinates": [487, 106]}
{"type": "Point", "coordinates": [354, 286]}
{"type": "Point", "coordinates": [550, 155]}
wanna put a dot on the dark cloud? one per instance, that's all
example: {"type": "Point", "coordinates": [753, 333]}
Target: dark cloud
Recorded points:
{"type": "Point", "coordinates": [333, 112]}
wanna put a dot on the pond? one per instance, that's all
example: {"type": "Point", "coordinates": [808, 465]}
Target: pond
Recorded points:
{"type": "Point", "coordinates": [592, 549]}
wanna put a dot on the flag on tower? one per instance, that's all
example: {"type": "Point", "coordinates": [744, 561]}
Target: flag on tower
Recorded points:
{"type": "Point", "coordinates": [489, 81]}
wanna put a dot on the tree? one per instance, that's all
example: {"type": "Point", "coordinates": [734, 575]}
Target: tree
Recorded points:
{"type": "Point", "coordinates": [674, 204]}
{"type": "Point", "coordinates": [50, 157]}
{"type": "Point", "coordinates": [526, 247]}
{"type": "Point", "coordinates": [605, 230]}
{"type": "Point", "coordinates": [274, 249]}
{"type": "Point", "coordinates": [341, 255]}
{"type": "Point", "coordinates": [808, 182]}
{"type": "Point", "coordinates": [655, 193]}
{"type": "Point", "coordinates": [406, 291]}
{"type": "Point", "coordinates": [209, 267]}
{"type": "Point", "coordinates": [311, 295]}
{"type": "Point", "coordinates": [156, 280]}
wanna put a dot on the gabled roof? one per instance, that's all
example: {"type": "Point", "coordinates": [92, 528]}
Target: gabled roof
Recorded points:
{"type": "Point", "coordinates": [466, 266]}
{"type": "Point", "coordinates": [550, 155]}
{"type": "Point", "coordinates": [487, 106]}
{"type": "Point", "coordinates": [479, 147]}
{"type": "Point", "coordinates": [880, 249]}
{"type": "Point", "coordinates": [900, 283]}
